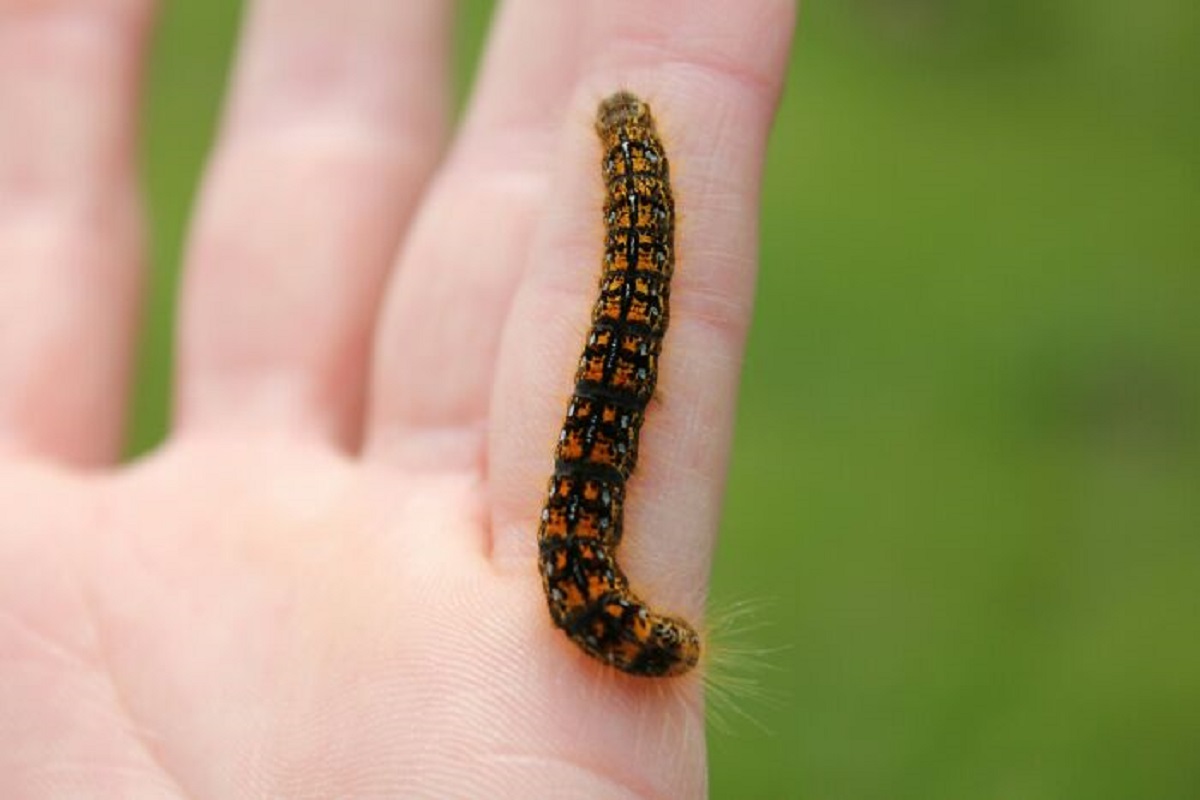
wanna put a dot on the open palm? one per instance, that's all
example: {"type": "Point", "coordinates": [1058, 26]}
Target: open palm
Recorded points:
{"type": "Point", "coordinates": [324, 583]}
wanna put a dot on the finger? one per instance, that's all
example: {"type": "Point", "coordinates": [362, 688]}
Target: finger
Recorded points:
{"type": "Point", "coordinates": [711, 73]}
{"type": "Point", "coordinates": [440, 327]}
{"type": "Point", "coordinates": [336, 117]}
{"type": "Point", "coordinates": [70, 223]}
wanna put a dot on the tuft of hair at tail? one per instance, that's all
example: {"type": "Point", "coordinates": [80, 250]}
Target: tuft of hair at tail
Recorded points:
{"type": "Point", "coordinates": [736, 665]}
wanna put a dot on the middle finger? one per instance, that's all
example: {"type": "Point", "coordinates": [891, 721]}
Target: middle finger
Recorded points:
{"type": "Point", "coordinates": [439, 331]}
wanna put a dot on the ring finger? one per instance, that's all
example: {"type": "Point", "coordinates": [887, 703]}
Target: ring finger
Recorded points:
{"type": "Point", "coordinates": [336, 117]}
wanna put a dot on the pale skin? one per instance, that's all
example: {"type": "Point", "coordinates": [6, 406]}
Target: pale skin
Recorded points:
{"type": "Point", "coordinates": [323, 584]}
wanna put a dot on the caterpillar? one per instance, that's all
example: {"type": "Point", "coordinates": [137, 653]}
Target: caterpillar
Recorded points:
{"type": "Point", "coordinates": [581, 524]}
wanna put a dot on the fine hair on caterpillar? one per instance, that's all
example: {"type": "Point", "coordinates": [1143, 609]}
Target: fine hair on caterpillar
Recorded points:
{"type": "Point", "coordinates": [735, 666]}
{"type": "Point", "coordinates": [588, 594]}
{"type": "Point", "coordinates": [732, 693]}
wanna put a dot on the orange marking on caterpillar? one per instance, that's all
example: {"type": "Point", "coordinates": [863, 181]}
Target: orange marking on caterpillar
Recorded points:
{"type": "Point", "coordinates": [588, 594]}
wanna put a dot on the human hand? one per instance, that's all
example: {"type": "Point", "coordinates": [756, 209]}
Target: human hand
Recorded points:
{"type": "Point", "coordinates": [324, 583]}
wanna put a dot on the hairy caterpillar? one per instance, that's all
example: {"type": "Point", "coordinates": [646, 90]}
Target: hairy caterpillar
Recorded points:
{"type": "Point", "coordinates": [581, 524]}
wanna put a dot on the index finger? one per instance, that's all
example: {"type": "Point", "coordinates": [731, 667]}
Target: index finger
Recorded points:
{"type": "Point", "coordinates": [711, 73]}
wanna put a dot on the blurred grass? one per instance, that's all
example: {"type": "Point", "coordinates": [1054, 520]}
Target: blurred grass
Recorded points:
{"type": "Point", "coordinates": [965, 481]}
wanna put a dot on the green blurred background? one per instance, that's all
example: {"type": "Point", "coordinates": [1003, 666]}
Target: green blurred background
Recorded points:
{"type": "Point", "coordinates": [964, 498]}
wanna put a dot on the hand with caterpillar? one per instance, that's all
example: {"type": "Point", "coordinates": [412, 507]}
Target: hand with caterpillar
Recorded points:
{"type": "Point", "coordinates": [325, 582]}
